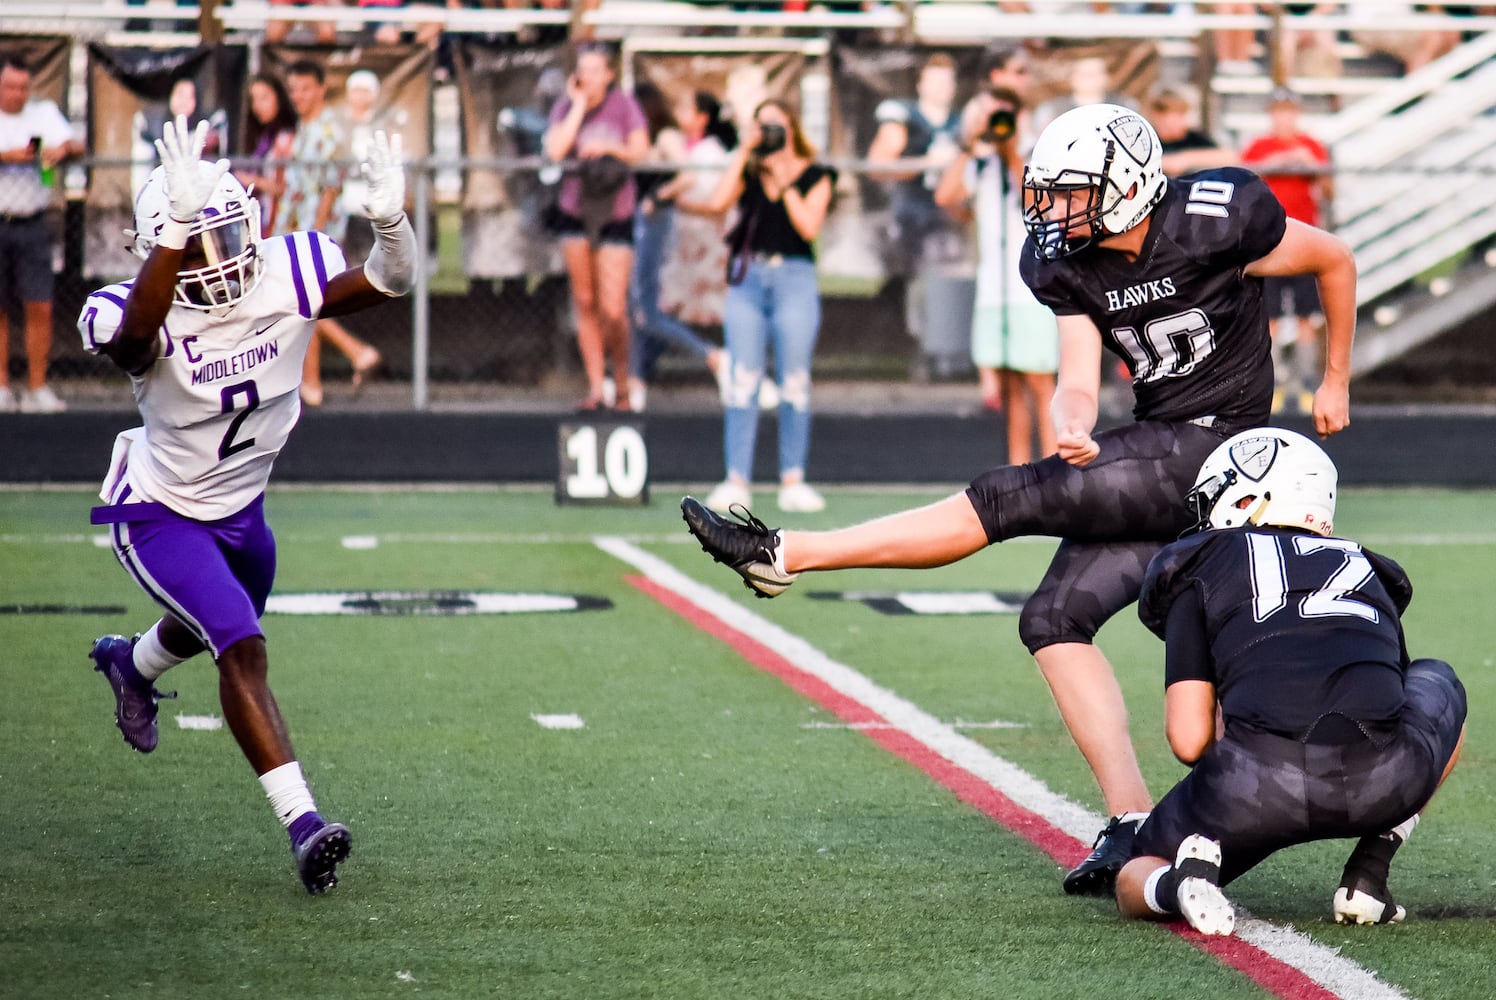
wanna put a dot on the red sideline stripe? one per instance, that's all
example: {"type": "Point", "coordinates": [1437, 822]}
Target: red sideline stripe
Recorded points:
{"type": "Point", "coordinates": [1276, 977]}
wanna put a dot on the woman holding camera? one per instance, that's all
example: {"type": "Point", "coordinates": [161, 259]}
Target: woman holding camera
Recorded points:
{"type": "Point", "coordinates": [782, 197]}
{"type": "Point", "coordinates": [1014, 338]}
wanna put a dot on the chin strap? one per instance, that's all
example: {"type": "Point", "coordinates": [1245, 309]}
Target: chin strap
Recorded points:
{"type": "Point", "coordinates": [391, 266]}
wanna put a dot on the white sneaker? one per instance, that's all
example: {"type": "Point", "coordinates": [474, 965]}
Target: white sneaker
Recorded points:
{"type": "Point", "coordinates": [610, 393]}
{"type": "Point", "coordinates": [727, 493]}
{"type": "Point", "coordinates": [638, 395]}
{"type": "Point", "coordinates": [1200, 899]}
{"type": "Point", "coordinates": [7, 400]}
{"type": "Point", "coordinates": [800, 499]}
{"type": "Point", "coordinates": [42, 400]}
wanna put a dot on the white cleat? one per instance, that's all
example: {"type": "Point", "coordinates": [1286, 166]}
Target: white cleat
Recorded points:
{"type": "Point", "coordinates": [1355, 907]}
{"type": "Point", "coordinates": [1200, 898]}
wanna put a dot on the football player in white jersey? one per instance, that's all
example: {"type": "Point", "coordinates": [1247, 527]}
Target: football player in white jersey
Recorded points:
{"type": "Point", "coordinates": [212, 332]}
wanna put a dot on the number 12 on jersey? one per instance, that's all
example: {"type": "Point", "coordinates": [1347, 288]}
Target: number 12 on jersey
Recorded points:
{"type": "Point", "coordinates": [601, 463]}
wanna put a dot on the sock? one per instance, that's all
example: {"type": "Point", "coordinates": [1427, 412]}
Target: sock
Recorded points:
{"type": "Point", "coordinates": [1404, 830]}
{"type": "Point", "coordinates": [151, 658]}
{"type": "Point", "coordinates": [779, 555]}
{"type": "Point", "coordinates": [1161, 891]}
{"type": "Point", "coordinates": [289, 796]}
{"type": "Point", "coordinates": [1370, 862]}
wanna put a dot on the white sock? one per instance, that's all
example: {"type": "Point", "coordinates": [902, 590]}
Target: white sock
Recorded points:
{"type": "Point", "coordinates": [286, 789]}
{"type": "Point", "coordinates": [1403, 830]}
{"type": "Point", "coordinates": [779, 555]}
{"type": "Point", "coordinates": [1150, 892]}
{"type": "Point", "coordinates": [1133, 817]}
{"type": "Point", "coordinates": [151, 658]}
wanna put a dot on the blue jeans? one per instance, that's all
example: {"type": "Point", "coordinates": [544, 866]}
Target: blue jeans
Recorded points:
{"type": "Point", "coordinates": [778, 302]}
{"type": "Point", "coordinates": [653, 329]}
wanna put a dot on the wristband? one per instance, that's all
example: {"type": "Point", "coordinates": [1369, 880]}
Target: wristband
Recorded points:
{"type": "Point", "coordinates": [173, 234]}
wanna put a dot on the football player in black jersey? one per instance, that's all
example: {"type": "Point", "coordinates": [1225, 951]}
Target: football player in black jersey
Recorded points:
{"type": "Point", "coordinates": [1166, 274]}
{"type": "Point", "coordinates": [1327, 728]}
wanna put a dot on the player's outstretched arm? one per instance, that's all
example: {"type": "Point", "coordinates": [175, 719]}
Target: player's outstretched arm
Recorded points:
{"type": "Point", "coordinates": [189, 185]}
{"type": "Point", "coordinates": [390, 271]}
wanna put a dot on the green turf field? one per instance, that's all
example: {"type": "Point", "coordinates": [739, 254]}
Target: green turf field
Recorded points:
{"type": "Point", "coordinates": [707, 833]}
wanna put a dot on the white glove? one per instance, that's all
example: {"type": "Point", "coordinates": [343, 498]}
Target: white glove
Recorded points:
{"type": "Point", "coordinates": [189, 181]}
{"type": "Point", "coordinates": [384, 175]}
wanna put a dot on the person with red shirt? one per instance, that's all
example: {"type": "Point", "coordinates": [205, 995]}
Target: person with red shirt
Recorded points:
{"type": "Point", "coordinates": [1295, 167]}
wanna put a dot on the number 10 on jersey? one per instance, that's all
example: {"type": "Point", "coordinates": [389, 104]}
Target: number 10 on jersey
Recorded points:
{"type": "Point", "coordinates": [602, 462]}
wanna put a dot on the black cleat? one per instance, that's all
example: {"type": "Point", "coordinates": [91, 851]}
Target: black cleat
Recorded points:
{"type": "Point", "coordinates": [1097, 875]}
{"type": "Point", "coordinates": [318, 856]}
{"type": "Point", "coordinates": [749, 547]}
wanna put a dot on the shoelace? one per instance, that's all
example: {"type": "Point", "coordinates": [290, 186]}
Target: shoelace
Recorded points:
{"type": "Point", "coordinates": [746, 519]}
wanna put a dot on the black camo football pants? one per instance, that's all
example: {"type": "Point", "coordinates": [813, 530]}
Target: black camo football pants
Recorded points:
{"type": "Point", "coordinates": [1112, 515]}
{"type": "Point", "coordinates": [1258, 793]}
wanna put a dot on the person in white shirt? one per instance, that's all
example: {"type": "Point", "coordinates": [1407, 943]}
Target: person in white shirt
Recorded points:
{"type": "Point", "coordinates": [34, 139]}
{"type": "Point", "coordinates": [212, 333]}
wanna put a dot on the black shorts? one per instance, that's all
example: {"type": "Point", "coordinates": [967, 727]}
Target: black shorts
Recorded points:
{"type": "Point", "coordinates": [619, 232]}
{"type": "Point", "coordinates": [1295, 295]}
{"type": "Point", "coordinates": [1258, 792]}
{"type": "Point", "coordinates": [25, 260]}
{"type": "Point", "coordinates": [1113, 515]}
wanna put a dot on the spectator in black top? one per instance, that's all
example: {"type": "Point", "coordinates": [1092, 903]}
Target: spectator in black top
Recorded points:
{"type": "Point", "coordinates": [1186, 148]}
{"type": "Point", "coordinates": [782, 197]}
{"type": "Point", "coordinates": [1290, 692]}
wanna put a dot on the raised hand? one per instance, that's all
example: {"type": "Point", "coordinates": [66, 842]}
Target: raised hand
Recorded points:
{"type": "Point", "coordinates": [384, 174]}
{"type": "Point", "coordinates": [190, 181]}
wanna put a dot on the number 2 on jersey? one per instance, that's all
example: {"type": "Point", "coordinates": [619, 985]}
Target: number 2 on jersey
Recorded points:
{"type": "Point", "coordinates": [251, 393]}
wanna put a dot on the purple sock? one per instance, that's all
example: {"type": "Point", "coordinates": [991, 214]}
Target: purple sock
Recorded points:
{"type": "Point", "coordinates": [304, 826]}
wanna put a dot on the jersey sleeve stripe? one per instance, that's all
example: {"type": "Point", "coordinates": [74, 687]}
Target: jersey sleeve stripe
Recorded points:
{"type": "Point", "coordinates": [319, 265]}
{"type": "Point", "coordinates": [105, 293]}
{"type": "Point", "coordinates": [303, 304]}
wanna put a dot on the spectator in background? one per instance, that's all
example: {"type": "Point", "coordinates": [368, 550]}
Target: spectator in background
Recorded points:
{"type": "Point", "coordinates": [182, 100]}
{"type": "Point", "coordinates": [1414, 49]}
{"type": "Point", "coordinates": [276, 32]}
{"type": "Point", "coordinates": [1186, 149]}
{"type": "Point", "coordinates": [1295, 166]}
{"type": "Point", "coordinates": [426, 33]}
{"type": "Point", "coordinates": [782, 196]}
{"type": "Point", "coordinates": [1014, 338]}
{"type": "Point", "coordinates": [679, 135]}
{"type": "Point", "coordinates": [362, 118]}
{"type": "Point", "coordinates": [1090, 83]}
{"type": "Point", "coordinates": [269, 136]}
{"type": "Point", "coordinates": [927, 244]}
{"type": "Point", "coordinates": [1234, 46]}
{"type": "Point", "coordinates": [34, 139]}
{"type": "Point", "coordinates": [1005, 66]}
{"type": "Point", "coordinates": [605, 129]}
{"type": "Point", "coordinates": [313, 202]}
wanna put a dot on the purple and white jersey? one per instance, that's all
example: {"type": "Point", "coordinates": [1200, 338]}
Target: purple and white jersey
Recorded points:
{"type": "Point", "coordinates": [222, 396]}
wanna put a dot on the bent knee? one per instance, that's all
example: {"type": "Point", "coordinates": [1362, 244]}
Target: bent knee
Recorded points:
{"type": "Point", "coordinates": [1044, 623]}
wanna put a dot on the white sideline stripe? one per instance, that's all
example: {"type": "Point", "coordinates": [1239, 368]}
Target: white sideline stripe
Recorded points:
{"type": "Point", "coordinates": [958, 724]}
{"type": "Point", "coordinates": [1319, 962]}
{"type": "Point", "coordinates": [205, 722]}
{"type": "Point", "coordinates": [361, 542]}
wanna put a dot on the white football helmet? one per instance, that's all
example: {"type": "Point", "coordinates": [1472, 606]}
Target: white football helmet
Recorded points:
{"type": "Point", "coordinates": [222, 244]}
{"type": "Point", "coordinates": [1096, 168]}
{"type": "Point", "coordinates": [1266, 476]}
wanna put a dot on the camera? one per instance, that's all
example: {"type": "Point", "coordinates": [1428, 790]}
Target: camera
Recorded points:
{"type": "Point", "coordinates": [772, 137]}
{"type": "Point", "coordinates": [1001, 125]}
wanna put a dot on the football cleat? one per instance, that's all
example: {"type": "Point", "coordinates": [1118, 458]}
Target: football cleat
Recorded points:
{"type": "Point", "coordinates": [134, 698]}
{"type": "Point", "coordinates": [1097, 875]}
{"type": "Point", "coordinates": [319, 854]}
{"type": "Point", "coordinates": [1200, 899]}
{"type": "Point", "coordinates": [749, 547]}
{"type": "Point", "coordinates": [1364, 903]}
